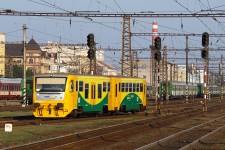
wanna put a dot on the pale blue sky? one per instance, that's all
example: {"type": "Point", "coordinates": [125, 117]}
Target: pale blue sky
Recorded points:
{"type": "Point", "coordinates": [108, 31]}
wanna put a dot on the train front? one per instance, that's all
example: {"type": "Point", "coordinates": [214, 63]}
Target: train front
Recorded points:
{"type": "Point", "coordinates": [49, 96]}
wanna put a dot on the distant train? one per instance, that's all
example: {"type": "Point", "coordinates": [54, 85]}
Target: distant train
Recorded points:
{"type": "Point", "coordinates": [177, 90]}
{"type": "Point", "coordinates": [12, 89]}
{"type": "Point", "coordinates": [61, 95]}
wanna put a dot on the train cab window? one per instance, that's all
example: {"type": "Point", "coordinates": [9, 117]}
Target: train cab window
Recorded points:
{"type": "Point", "coordinates": [71, 86]}
{"type": "Point", "coordinates": [130, 87]}
{"type": "Point", "coordinates": [141, 87]}
{"type": "Point", "coordinates": [123, 87]}
{"type": "Point", "coordinates": [86, 90]}
{"type": "Point", "coordinates": [127, 86]}
{"type": "Point", "coordinates": [81, 86]}
{"type": "Point", "coordinates": [108, 86]}
{"type": "Point", "coordinates": [138, 87]}
{"type": "Point", "coordinates": [99, 90]}
{"type": "Point", "coordinates": [104, 87]}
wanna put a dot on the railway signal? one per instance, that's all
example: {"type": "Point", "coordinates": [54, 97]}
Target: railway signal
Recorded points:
{"type": "Point", "coordinates": [157, 55]}
{"type": "Point", "coordinates": [204, 53]}
{"type": "Point", "coordinates": [91, 54]}
{"type": "Point", "coordinates": [90, 40]}
{"type": "Point", "coordinates": [205, 39]}
{"type": "Point", "coordinates": [157, 43]}
{"type": "Point", "coordinates": [91, 44]}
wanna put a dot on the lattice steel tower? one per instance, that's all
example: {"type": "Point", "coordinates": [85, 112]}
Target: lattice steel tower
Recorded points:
{"type": "Point", "coordinates": [127, 63]}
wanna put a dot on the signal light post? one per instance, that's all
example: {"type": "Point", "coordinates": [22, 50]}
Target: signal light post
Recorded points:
{"type": "Point", "coordinates": [205, 55]}
{"type": "Point", "coordinates": [221, 80]}
{"type": "Point", "coordinates": [91, 52]}
{"type": "Point", "coordinates": [157, 44]}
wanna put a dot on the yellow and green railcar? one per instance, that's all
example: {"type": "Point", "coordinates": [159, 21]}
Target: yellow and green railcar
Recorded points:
{"type": "Point", "coordinates": [61, 95]}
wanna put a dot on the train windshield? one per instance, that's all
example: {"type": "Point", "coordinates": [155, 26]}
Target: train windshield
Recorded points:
{"type": "Point", "coordinates": [50, 84]}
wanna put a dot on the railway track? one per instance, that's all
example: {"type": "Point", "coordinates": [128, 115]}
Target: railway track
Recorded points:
{"type": "Point", "coordinates": [173, 107]}
{"type": "Point", "coordinates": [31, 120]}
{"type": "Point", "coordinates": [114, 134]}
{"type": "Point", "coordinates": [189, 138]}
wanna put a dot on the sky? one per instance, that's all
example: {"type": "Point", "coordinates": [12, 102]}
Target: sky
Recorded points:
{"type": "Point", "coordinates": [108, 31]}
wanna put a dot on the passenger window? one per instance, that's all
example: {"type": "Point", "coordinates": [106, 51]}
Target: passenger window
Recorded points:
{"type": "Point", "coordinates": [126, 89]}
{"type": "Point", "coordinates": [137, 87]}
{"type": "Point", "coordinates": [119, 87]}
{"type": "Point", "coordinates": [123, 87]}
{"type": "Point", "coordinates": [116, 90]}
{"type": "Point", "coordinates": [104, 86]}
{"type": "Point", "coordinates": [134, 87]}
{"type": "Point", "coordinates": [76, 85]}
{"type": "Point", "coordinates": [99, 90]}
{"type": "Point", "coordinates": [130, 87]}
{"type": "Point", "coordinates": [86, 92]}
{"type": "Point", "coordinates": [141, 87]}
{"type": "Point", "coordinates": [108, 86]}
{"type": "Point", "coordinates": [81, 84]}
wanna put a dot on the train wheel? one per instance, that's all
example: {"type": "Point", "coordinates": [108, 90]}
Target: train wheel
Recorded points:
{"type": "Point", "coordinates": [113, 113]}
{"type": "Point", "coordinates": [99, 114]}
{"type": "Point", "coordinates": [74, 114]}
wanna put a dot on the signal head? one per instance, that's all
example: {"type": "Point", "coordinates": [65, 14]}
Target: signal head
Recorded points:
{"type": "Point", "coordinates": [205, 39]}
{"type": "Point", "coordinates": [157, 43]}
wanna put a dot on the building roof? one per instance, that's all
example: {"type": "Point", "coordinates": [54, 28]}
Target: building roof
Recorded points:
{"type": "Point", "coordinates": [32, 45]}
{"type": "Point", "coordinates": [14, 50]}
{"type": "Point", "coordinates": [106, 65]}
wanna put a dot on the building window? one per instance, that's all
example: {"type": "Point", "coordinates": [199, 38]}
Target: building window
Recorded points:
{"type": "Point", "coordinates": [31, 61]}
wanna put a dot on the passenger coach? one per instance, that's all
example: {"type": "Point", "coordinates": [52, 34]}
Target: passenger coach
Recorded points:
{"type": "Point", "coordinates": [61, 95]}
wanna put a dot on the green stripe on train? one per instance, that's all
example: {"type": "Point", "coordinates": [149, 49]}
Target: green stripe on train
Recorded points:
{"type": "Point", "coordinates": [131, 101]}
{"type": "Point", "coordinates": [87, 107]}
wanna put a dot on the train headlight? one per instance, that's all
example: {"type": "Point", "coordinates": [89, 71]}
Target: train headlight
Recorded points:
{"type": "Point", "coordinates": [59, 106]}
{"type": "Point", "coordinates": [36, 105]}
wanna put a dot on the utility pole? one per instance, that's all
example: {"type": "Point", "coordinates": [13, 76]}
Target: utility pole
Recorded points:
{"type": "Point", "coordinates": [186, 68]}
{"type": "Point", "coordinates": [204, 54]}
{"type": "Point", "coordinates": [24, 66]}
{"type": "Point", "coordinates": [192, 71]}
{"type": "Point", "coordinates": [157, 59]}
{"type": "Point", "coordinates": [221, 78]}
{"type": "Point", "coordinates": [165, 75]}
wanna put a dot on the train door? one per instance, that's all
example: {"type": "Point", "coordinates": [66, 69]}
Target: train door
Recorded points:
{"type": "Point", "coordinates": [118, 96]}
{"type": "Point", "coordinates": [112, 94]}
{"type": "Point", "coordinates": [143, 91]}
{"type": "Point", "coordinates": [93, 95]}
{"type": "Point", "coordinates": [72, 93]}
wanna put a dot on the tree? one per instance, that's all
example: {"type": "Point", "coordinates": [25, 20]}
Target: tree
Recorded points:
{"type": "Point", "coordinates": [29, 72]}
{"type": "Point", "coordinates": [17, 71]}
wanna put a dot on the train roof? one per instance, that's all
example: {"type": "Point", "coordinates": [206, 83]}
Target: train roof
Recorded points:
{"type": "Point", "coordinates": [10, 80]}
{"type": "Point", "coordinates": [87, 75]}
{"type": "Point", "coordinates": [181, 83]}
